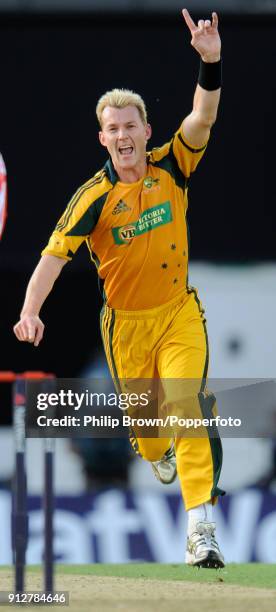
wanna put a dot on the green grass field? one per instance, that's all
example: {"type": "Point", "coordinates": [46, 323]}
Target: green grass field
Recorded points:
{"type": "Point", "coordinates": [244, 574]}
{"type": "Point", "coordinates": [147, 587]}
{"type": "Point", "coordinates": [247, 574]}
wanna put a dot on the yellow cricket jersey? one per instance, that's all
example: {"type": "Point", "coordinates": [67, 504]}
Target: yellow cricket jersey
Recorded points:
{"type": "Point", "coordinates": [136, 232]}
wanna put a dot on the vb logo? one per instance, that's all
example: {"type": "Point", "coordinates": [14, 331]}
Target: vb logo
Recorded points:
{"type": "Point", "coordinates": [127, 232]}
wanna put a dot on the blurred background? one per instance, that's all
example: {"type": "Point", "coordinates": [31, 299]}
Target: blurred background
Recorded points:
{"type": "Point", "coordinates": [57, 58]}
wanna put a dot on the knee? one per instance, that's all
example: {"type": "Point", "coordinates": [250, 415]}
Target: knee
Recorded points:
{"type": "Point", "coordinates": [151, 455]}
{"type": "Point", "coordinates": [152, 452]}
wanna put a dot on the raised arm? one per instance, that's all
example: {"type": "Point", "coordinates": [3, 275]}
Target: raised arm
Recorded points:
{"type": "Point", "coordinates": [206, 40]}
{"type": "Point", "coordinates": [30, 327]}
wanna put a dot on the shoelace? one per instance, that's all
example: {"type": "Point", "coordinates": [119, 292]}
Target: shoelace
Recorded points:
{"type": "Point", "coordinates": [168, 455]}
{"type": "Point", "coordinates": [206, 537]}
{"type": "Point", "coordinates": [209, 541]}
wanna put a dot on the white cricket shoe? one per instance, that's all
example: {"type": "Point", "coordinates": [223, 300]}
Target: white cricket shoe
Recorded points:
{"type": "Point", "coordinates": [165, 469]}
{"type": "Point", "coordinates": [202, 548]}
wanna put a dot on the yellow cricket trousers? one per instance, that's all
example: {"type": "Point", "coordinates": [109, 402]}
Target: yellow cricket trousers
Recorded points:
{"type": "Point", "coordinates": [169, 342]}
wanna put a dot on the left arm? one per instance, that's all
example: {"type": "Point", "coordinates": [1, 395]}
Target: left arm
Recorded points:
{"type": "Point", "coordinates": [206, 40]}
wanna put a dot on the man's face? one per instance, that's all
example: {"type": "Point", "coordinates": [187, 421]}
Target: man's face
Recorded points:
{"type": "Point", "coordinates": [125, 136]}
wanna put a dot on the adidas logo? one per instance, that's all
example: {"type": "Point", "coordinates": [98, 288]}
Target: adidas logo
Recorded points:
{"type": "Point", "coordinates": [120, 207]}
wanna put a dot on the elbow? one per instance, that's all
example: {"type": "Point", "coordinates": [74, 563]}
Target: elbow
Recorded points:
{"type": "Point", "coordinates": [208, 120]}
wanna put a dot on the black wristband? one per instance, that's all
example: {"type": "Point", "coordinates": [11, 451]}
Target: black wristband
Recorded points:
{"type": "Point", "coordinates": [210, 75]}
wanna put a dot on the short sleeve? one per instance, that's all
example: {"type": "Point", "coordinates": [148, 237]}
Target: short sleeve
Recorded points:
{"type": "Point", "coordinates": [63, 246]}
{"type": "Point", "coordinates": [185, 154]}
{"type": "Point", "coordinates": [77, 221]}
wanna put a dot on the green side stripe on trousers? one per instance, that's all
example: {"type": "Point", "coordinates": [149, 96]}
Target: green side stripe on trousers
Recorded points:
{"type": "Point", "coordinates": [206, 365]}
{"type": "Point", "coordinates": [111, 332]}
{"type": "Point", "coordinates": [206, 405]}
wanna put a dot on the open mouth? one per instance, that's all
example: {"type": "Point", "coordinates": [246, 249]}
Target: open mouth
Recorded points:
{"type": "Point", "coordinates": [126, 150]}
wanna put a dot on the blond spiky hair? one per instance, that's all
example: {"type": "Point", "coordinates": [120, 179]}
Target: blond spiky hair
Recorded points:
{"type": "Point", "coordinates": [120, 98]}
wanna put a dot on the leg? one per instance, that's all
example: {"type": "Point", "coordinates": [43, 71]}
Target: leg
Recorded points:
{"type": "Point", "coordinates": [184, 354]}
{"type": "Point", "coordinates": [182, 363]}
{"type": "Point", "coordinates": [130, 353]}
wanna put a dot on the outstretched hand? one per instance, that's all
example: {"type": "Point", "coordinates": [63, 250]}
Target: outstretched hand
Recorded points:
{"type": "Point", "coordinates": [205, 36]}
